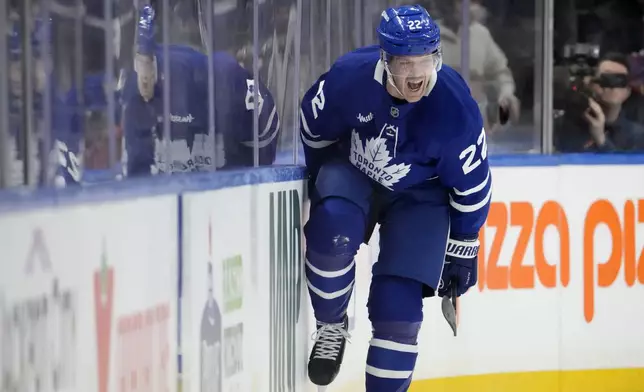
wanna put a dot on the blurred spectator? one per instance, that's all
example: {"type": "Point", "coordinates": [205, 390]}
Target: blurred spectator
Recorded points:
{"type": "Point", "coordinates": [491, 79]}
{"type": "Point", "coordinates": [96, 145]}
{"type": "Point", "coordinates": [514, 26]}
{"type": "Point", "coordinates": [96, 142]}
{"type": "Point", "coordinates": [634, 105]}
{"type": "Point", "coordinates": [594, 119]}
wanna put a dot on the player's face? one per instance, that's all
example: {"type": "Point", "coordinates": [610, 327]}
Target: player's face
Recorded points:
{"type": "Point", "coordinates": [15, 76]}
{"type": "Point", "coordinates": [40, 75]}
{"type": "Point", "coordinates": [614, 96]}
{"type": "Point", "coordinates": [411, 75]}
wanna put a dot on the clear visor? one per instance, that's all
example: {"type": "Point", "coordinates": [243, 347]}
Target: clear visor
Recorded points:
{"type": "Point", "coordinates": [413, 66]}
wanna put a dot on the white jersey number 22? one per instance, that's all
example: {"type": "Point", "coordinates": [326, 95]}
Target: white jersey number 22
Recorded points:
{"type": "Point", "coordinates": [470, 152]}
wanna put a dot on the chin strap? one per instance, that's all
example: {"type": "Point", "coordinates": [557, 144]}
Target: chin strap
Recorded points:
{"type": "Point", "coordinates": [390, 80]}
{"type": "Point", "coordinates": [431, 82]}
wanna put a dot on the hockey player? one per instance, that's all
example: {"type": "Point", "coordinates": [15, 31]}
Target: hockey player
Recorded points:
{"type": "Point", "coordinates": [65, 129]}
{"type": "Point", "coordinates": [192, 145]}
{"type": "Point", "coordinates": [391, 136]}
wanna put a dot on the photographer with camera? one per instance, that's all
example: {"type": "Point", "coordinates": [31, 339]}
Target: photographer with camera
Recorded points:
{"type": "Point", "coordinates": [592, 119]}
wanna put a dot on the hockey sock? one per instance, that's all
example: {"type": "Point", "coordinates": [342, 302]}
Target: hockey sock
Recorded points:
{"type": "Point", "coordinates": [333, 235]}
{"type": "Point", "coordinates": [395, 310]}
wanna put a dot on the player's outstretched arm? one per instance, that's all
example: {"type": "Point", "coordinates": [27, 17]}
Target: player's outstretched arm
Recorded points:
{"type": "Point", "coordinates": [144, 57]}
{"type": "Point", "coordinates": [321, 122]}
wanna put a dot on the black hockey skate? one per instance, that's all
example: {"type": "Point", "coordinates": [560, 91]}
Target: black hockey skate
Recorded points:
{"type": "Point", "coordinates": [327, 353]}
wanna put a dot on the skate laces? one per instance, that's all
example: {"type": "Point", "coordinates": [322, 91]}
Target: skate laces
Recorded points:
{"type": "Point", "coordinates": [328, 340]}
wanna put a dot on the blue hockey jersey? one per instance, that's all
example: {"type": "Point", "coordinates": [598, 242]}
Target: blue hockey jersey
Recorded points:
{"type": "Point", "coordinates": [191, 146]}
{"type": "Point", "coordinates": [348, 114]}
{"type": "Point", "coordinates": [63, 160]}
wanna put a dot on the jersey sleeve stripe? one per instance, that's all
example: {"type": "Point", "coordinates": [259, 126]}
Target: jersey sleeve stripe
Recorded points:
{"type": "Point", "coordinates": [307, 135]}
{"type": "Point", "coordinates": [317, 144]}
{"type": "Point", "coordinates": [475, 189]}
{"type": "Point", "coordinates": [305, 126]}
{"type": "Point", "coordinates": [471, 207]}
{"type": "Point", "coordinates": [267, 141]}
{"type": "Point", "coordinates": [269, 122]}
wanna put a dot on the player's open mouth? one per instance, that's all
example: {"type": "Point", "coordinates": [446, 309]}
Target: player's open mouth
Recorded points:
{"type": "Point", "coordinates": [414, 86]}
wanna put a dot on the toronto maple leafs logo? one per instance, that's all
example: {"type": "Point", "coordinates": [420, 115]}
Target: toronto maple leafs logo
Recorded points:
{"type": "Point", "coordinates": [372, 158]}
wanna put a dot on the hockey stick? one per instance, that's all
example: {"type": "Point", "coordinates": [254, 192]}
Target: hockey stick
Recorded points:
{"type": "Point", "coordinates": [449, 305]}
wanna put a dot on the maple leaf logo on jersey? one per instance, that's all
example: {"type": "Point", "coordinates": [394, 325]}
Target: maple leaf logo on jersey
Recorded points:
{"type": "Point", "coordinates": [373, 160]}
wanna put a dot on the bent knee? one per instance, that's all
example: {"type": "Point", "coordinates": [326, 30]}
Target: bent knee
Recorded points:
{"type": "Point", "coordinates": [336, 226]}
{"type": "Point", "coordinates": [396, 308]}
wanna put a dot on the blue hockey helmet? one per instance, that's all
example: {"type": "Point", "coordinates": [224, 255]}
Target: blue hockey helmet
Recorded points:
{"type": "Point", "coordinates": [408, 31]}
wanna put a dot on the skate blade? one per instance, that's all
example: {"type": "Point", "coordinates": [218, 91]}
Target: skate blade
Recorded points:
{"type": "Point", "coordinates": [321, 389]}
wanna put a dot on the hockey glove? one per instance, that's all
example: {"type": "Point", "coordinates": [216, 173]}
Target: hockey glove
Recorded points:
{"type": "Point", "coordinates": [461, 266]}
{"type": "Point", "coordinates": [65, 168]}
{"type": "Point", "coordinates": [145, 43]}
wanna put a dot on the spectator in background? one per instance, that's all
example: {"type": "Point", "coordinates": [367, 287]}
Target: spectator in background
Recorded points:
{"type": "Point", "coordinates": [603, 126]}
{"type": "Point", "coordinates": [634, 105]}
{"type": "Point", "coordinates": [96, 147]}
{"type": "Point", "coordinates": [96, 141]}
{"type": "Point", "coordinates": [491, 79]}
